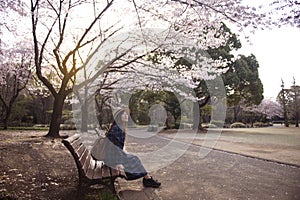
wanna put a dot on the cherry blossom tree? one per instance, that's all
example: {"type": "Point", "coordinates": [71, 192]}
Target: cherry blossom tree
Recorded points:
{"type": "Point", "coordinates": [59, 49]}
{"type": "Point", "coordinates": [11, 11]}
{"type": "Point", "coordinates": [287, 12]}
{"type": "Point", "coordinates": [267, 107]}
{"type": "Point", "coordinates": [15, 54]}
{"type": "Point", "coordinates": [62, 34]}
{"type": "Point", "coordinates": [14, 76]}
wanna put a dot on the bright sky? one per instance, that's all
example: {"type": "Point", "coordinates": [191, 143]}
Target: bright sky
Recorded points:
{"type": "Point", "coordinates": [277, 52]}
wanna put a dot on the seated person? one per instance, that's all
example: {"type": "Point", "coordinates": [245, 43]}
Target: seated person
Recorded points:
{"type": "Point", "coordinates": [116, 157]}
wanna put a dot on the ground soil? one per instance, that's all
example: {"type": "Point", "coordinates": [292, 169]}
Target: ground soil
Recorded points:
{"type": "Point", "coordinates": [35, 167]}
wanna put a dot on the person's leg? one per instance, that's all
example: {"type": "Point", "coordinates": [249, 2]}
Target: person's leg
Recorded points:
{"type": "Point", "coordinates": [134, 169]}
{"type": "Point", "coordinates": [133, 176]}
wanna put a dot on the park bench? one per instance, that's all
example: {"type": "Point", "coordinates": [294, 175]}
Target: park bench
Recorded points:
{"type": "Point", "coordinates": [91, 171]}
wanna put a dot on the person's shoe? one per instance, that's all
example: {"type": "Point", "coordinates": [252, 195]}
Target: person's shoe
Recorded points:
{"type": "Point", "coordinates": [151, 182]}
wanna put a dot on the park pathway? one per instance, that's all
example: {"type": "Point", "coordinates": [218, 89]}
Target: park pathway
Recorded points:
{"type": "Point", "coordinates": [219, 175]}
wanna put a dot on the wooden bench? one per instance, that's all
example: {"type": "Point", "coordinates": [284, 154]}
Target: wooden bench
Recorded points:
{"type": "Point", "coordinates": [91, 171]}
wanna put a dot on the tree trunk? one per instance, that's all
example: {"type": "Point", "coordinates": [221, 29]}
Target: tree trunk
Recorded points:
{"type": "Point", "coordinates": [286, 121]}
{"type": "Point", "coordinates": [56, 116]}
{"type": "Point", "coordinates": [6, 118]}
{"type": "Point", "coordinates": [84, 116]}
{"type": "Point", "coordinates": [197, 122]}
{"type": "Point", "coordinates": [5, 123]}
{"type": "Point", "coordinates": [297, 111]}
{"type": "Point", "coordinates": [297, 119]}
{"type": "Point", "coordinates": [236, 110]}
{"type": "Point", "coordinates": [196, 117]}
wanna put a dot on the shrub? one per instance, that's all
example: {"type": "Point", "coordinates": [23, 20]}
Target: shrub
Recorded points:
{"type": "Point", "coordinates": [40, 125]}
{"type": "Point", "coordinates": [238, 125]}
{"type": "Point", "coordinates": [67, 127]}
{"type": "Point", "coordinates": [218, 123]}
{"type": "Point", "coordinates": [260, 124]}
{"type": "Point", "coordinates": [257, 124]}
{"type": "Point", "coordinates": [209, 125]}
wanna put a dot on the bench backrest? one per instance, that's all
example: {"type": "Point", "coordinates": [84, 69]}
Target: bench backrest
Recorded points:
{"type": "Point", "coordinates": [87, 166]}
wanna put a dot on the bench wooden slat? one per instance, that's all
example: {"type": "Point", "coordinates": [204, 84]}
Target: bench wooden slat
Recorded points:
{"type": "Point", "coordinates": [89, 167]}
{"type": "Point", "coordinates": [76, 144]}
{"type": "Point", "coordinates": [72, 138]}
{"type": "Point", "coordinates": [80, 151]}
{"type": "Point", "coordinates": [98, 170]}
{"type": "Point", "coordinates": [83, 158]}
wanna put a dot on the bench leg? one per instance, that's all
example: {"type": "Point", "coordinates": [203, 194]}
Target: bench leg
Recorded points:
{"type": "Point", "coordinates": [112, 185]}
{"type": "Point", "coordinates": [113, 188]}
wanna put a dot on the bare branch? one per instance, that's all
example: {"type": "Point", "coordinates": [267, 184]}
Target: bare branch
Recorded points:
{"type": "Point", "coordinates": [73, 71]}
{"type": "Point", "coordinates": [137, 12]}
{"type": "Point", "coordinates": [198, 3]}
{"type": "Point", "coordinates": [86, 32]}
{"type": "Point", "coordinates": [39, 54]}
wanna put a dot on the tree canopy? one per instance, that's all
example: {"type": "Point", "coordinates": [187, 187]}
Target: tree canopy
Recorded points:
{"type": "Point", "coordinates": [66, 41]}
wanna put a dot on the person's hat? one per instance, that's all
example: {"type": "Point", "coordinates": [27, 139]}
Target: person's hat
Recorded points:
{"type": "Point", "coordinates": [118, 110]}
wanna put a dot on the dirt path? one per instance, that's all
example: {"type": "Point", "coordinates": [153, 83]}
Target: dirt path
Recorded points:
{"type": "Point", "coordinates": [239, 168]}
{"type": "Point", "coordinates": [35, 167]}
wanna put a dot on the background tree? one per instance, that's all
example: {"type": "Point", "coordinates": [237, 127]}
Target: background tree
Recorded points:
{"type": "Point", "coordinates": [243, 83]}
{"type": "Point", "coordinates": [241, 80]}
{"type": "Point", "coordinates": [41, 101]}
{"type": "Point", "coordinates": [15, 56]}
{"type": "Point", "coordinates": [266, 111]}
{"type": "Point", "coordinates": [143, 101]}
{"type": "Point", "coordinates": [241, 77]}
{"type": "Point", "coordinates": [289, 100]}
{"type": "Point", "coordinates": [282, 98]}
{"type": "Point", "coordinates": [225, 52]}
{"type": "Point", "coordinates": [295, 90]}
{"type": "Point", "coordinates": [270, 109]}
{"type": "Point", "coordinates": [14, 76]}
{"type": "Point", "coordinates": [11, 13]}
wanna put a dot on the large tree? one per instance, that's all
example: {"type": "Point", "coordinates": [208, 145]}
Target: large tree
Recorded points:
{"type": "Point", "coordinates": [14, 76]}
{"type": "Point", "coordinates": [243, 83]}
{"type": "Point", "coordinates": [241, 80]}
{"type": "Point", "coordinates": [269, 109]}
{"type": "Point", "coordinates": [15, 55]}
{"type": "Point", "coordinates": [60, 49]}
{"type": "Point", "coordinates": [283, 98]}
{"type": "Point", "coordinates": [295, 90]}
{"type": "Point", "coordinates": [63, 34]}
{"type": "Point", "coordinates": [289, 100]}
